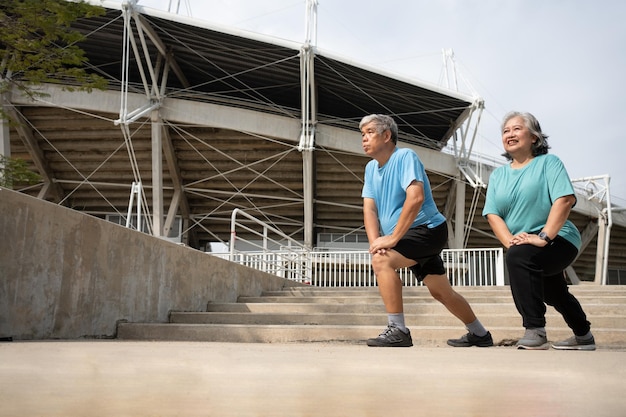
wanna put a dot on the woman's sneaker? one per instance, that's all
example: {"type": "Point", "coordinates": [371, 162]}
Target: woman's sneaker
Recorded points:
{"type": "Point", "coordinates": [533, 339]}
{"type": "Point", "coordinates": [575, 343]}
{"type": "Point", "coordinates": [392, 337]}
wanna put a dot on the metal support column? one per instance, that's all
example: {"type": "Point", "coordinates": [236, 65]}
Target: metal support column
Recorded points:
{"type": "Point", "coordinates": [157, 174]}
{"type": "Point", "coordinates": [599, 190]}
{"type": "Point", "coordinates": [309, 118]}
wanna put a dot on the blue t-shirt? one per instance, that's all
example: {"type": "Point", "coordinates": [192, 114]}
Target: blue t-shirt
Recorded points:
{"type": "Point", "coordinates": [387, 186]}
{"type": "Point", "coordinates": [523, 197]}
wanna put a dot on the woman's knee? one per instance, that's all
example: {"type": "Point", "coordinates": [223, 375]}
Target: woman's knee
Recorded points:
{"type": "Point", "coordinates": [556, 291]}
{"type": "Point", "coordinates": [523, 259]}
{"type": "Point", "coordinates": [515, 256]}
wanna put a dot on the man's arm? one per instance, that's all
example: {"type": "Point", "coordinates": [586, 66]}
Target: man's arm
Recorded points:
{"type": "Point", "coordinates": [410, 209]}
{"type": "Point", "coordinates": [370, 219]}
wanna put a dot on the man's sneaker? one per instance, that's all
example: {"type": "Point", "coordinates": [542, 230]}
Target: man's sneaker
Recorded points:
{"type": "Point", "coordinates": [471, 339]}
{"type": "Point", "coordinates": [575, 343]}
{"type": "Point", "coordinates": [391, 337]}
{"type": "Point", "coordinates": [533, 340]}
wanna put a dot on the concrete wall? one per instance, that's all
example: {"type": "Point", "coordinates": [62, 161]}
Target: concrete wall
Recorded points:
{"type": "Point", "coordinates": [66, 275]}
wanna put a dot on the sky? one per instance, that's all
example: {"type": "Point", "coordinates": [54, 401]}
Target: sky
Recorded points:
{"type": "Point", "coordinates": [562, 60]}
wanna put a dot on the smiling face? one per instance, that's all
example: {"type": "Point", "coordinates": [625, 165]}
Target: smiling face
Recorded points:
{"type": "Point", "coordinates": [517, 138]}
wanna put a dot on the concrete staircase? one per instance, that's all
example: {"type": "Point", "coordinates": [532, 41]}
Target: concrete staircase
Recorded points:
{"type": "Point", "coordinates": [311, 314]}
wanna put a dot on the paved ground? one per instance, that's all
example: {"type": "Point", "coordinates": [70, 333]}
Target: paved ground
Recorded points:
{"type": "Point", "coordinates": [114, 378]}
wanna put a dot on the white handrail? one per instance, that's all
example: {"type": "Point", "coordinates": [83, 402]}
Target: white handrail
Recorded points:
{"type": "Point", "coordinates": [283, 256]}
{"type": "Point", "coordinates": [288, 258]}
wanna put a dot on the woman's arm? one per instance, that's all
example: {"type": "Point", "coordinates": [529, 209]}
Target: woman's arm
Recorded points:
{"type": "Point", "coordinates": [556, 219]}
{"type": "Point", "coordinates": [558, 215]}
{"type": "Point", "coordinates": [500, 229]}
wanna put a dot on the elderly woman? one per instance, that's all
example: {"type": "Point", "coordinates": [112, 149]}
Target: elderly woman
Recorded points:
{"type": "Point", "coordinates": [527, 206]}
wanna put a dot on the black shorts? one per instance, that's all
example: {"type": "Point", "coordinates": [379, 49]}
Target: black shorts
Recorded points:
{"type": "Point", "coordinates": [424, 246]}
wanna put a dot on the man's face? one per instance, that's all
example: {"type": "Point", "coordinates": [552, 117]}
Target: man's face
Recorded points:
{"type": "Point", "coordinates": [371, 140]}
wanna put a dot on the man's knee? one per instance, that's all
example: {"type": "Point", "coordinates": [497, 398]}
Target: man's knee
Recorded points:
{"type": "Point", "coordinates": [439, 287]}
{"type": "Point", "coordinates": [379, 261]}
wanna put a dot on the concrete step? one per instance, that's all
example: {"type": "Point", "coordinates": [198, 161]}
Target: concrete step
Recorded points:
{"type": "Point", "coordinates": [361, 299]}
{"type": "Point", "coordinates": [584, 290]}
{"type": "Point", "coordinates": [372, 319]}
{"type": "Point", "coordinates": [311, 314]}
{"type": "Point", "coordinates": [481, 309]}
{"type": "Point", "coordinates": [266, 333]}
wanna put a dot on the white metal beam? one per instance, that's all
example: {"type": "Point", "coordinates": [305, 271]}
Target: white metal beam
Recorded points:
{"type": "Point", "coordinates": [170, 59]}
{"type": "Point", "coordinates": [350, 141]}
{"type": "Point", "coordinates": [232, 118]}
{"type": "Point", "coordinates": [249, 121]}
{"type": "Point", "coordinates": [172, 110]}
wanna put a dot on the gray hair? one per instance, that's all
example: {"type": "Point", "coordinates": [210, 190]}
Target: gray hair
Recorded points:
{"type": "Point", "coordinates": [383, 122]}
{"type": "Point", "coordinates": [540, 147]}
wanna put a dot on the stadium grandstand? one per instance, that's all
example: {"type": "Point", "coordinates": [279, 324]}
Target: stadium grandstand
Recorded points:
{"type": "Point", "coordinates": [199, 120]}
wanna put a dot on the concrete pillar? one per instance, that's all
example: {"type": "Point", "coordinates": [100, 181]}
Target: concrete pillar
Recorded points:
{"type": "Point", "coordinates": [459, 218]}
{"type": "Point", "coordinates": [157, 175]}
{"type": "Point", "coordinates": [601, 251]}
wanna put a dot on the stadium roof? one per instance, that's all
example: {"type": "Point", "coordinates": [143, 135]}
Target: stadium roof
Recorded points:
{"type": "Point", "coordinates": [247, 70]}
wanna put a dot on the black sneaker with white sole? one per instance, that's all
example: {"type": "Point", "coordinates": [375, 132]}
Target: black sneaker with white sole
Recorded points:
{"type": "Point", "coordinates": [471, 339]}
{"type": "Point", "coordinates": [391, 337]}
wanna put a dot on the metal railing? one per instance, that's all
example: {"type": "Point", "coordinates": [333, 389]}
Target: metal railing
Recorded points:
{"type": "Point", "coordinates": [272, 251]}
{"type": "Point", "coordinates": [467, 267]}
{"type": "Point", "coordinates": [276, 253]}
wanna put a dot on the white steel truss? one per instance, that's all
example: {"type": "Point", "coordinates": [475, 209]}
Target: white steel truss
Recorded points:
{"type": "Point", "coordinates": [136, 27]}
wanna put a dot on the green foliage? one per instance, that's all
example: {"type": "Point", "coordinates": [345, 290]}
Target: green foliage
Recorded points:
{"type": "Point", "coordinates": [39, 45]}
{"type": "Point", "coordinates": [16, 171]}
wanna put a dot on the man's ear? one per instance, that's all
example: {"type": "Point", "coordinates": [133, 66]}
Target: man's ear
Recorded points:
{"type": "Point", "coordinates": [387, 134]}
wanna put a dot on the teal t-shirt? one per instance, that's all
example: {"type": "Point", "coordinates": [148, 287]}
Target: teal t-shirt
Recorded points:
{"type": "Point", "coordinates": [387, 186]}
{"type": "Point", "coordinates": [523, 197]}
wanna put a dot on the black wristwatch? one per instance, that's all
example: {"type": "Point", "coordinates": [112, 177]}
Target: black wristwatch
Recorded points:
{"type": "Point", "coordinates": [544, 236]}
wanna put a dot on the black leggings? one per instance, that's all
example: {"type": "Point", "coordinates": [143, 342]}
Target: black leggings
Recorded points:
{"type": "Point", "coordinates": [536, 277]}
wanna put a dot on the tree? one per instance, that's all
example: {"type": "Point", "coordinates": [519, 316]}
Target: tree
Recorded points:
{"type": "Point", "coordinates": [38, 45]}
{"type": "Point", "coordinates": [14, 171]}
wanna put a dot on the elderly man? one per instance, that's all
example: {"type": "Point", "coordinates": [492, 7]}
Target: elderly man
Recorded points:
{"type": "Point", "coordinates": [405, 229]}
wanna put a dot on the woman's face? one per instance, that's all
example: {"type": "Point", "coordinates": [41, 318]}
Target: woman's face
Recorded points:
{"type": "Point", "coordinates": [516, 138]}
